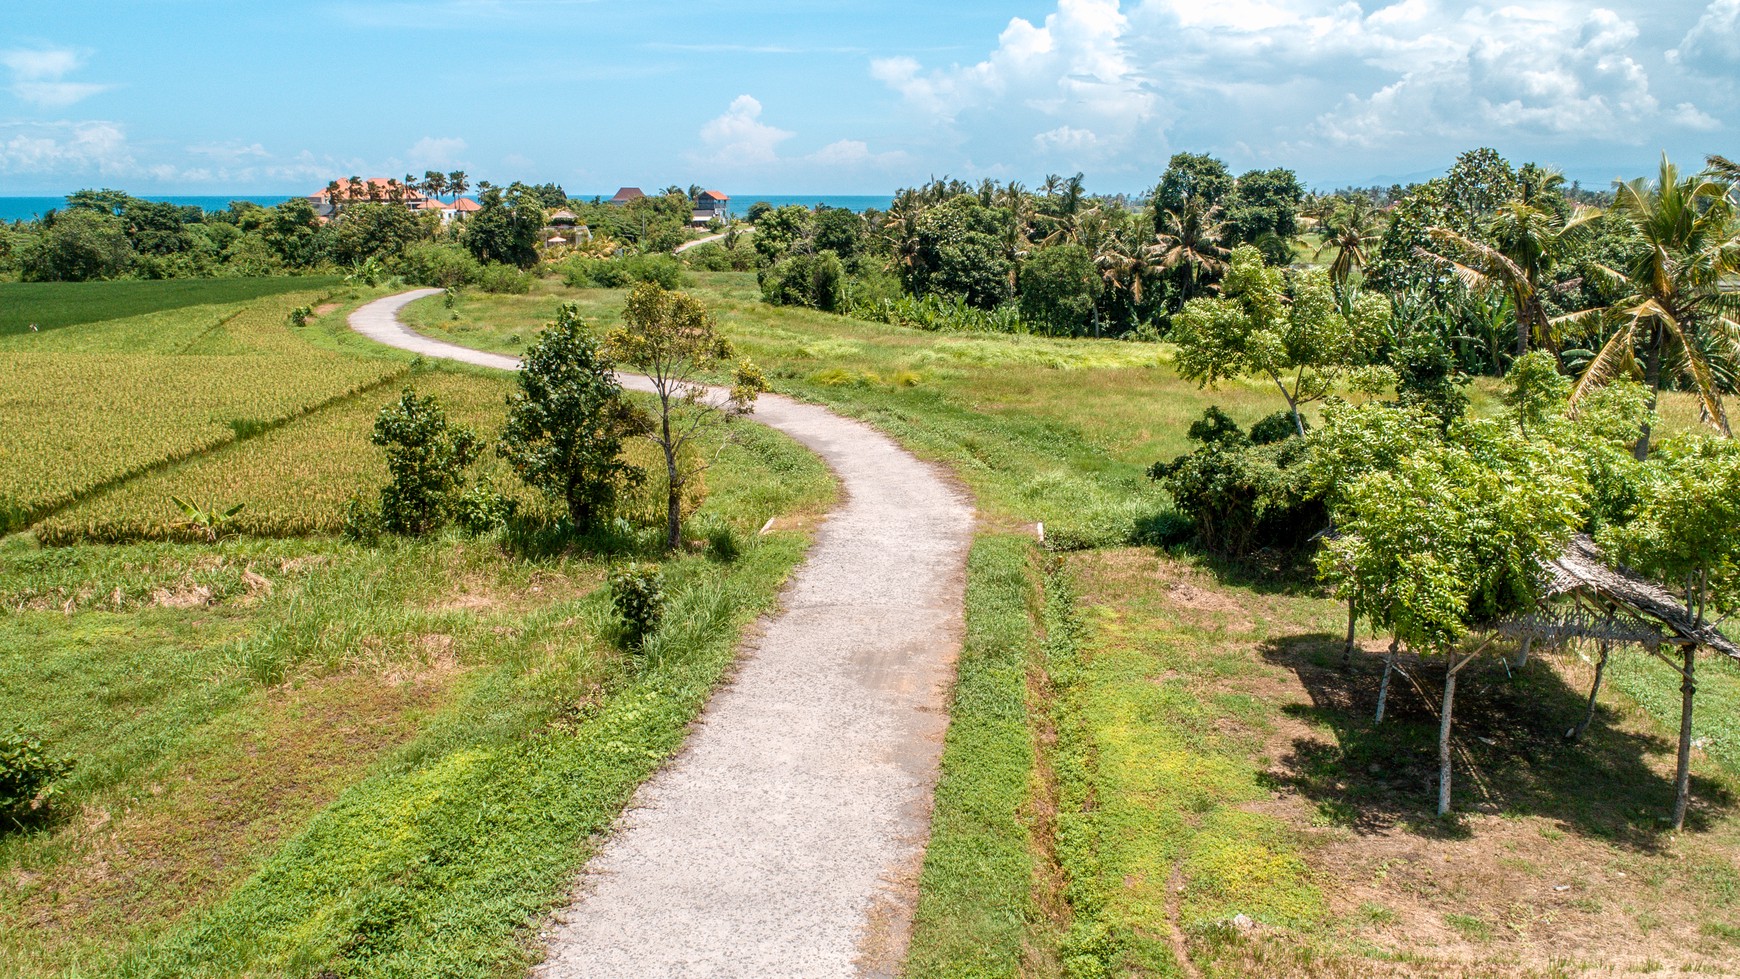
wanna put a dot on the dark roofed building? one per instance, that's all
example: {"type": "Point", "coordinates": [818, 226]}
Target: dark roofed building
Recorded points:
{"type": "Point", "coordinates": [627, 194]}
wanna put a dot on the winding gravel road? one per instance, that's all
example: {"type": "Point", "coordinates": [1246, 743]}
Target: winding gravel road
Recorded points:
{"type": "Point", "coordinates": [785, 839]}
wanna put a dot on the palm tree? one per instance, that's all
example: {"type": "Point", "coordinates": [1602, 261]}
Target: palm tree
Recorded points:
{"type": "Point", "coordinates": [1522, 245]}
{"type": "Point", "coordinates": [1189, 240]}
{"type": "Point", "coordinates": [1350, 230]}
{"type": "Point", "coordinates": [1676, 311]}
{"type": "Point", "coordinates": [457, 185]}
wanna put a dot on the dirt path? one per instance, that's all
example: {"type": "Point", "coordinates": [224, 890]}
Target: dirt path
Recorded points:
{"type": "Point", "coordinates": [698, 242]}
{"type": "Point", "coordinates": [785, 840]}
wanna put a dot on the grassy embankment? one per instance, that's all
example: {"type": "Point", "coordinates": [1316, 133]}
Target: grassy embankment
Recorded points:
{"type": "Point", "coordinates": [1145, 746]}
{"type": "Point", "coordinates": [301, 756]}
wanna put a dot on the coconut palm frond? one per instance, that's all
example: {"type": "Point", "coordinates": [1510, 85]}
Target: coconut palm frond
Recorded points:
{"type": "Point", "coordinates": [1616, 358]}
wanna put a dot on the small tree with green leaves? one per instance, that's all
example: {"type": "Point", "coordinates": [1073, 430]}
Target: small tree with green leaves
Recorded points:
{"type": "Point", "coordinates": [567, 424]}
{"type": "Point", "coordinates": [1285, 327]}
{"type": "Point", "coordinates": [1684, 534]}
{"type": "Point", "coordinates": [426, 461]}
{"type": "Point", "coordinates": [672, 339]}
{"type": "Point", "coordinates": [1451, 536]}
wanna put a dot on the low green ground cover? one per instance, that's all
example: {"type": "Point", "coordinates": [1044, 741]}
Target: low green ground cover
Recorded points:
{"type": "Point", "coordinates": [52, 305]}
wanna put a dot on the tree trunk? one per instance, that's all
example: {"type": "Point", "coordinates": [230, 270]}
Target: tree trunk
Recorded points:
{"type": "Point", "coordinates": [1683, 778]}
{"type": "Point", "coordinates": [1444, 740]}
{"type": "Point", "coordinates": [673, 491]}
{"type": "Point", "coordinates": [1576, 733]}
{"type": "Point", "coordinates": [1652, 380]}
{"type": "Point", "coordinates": [1522, 657]}
{"type": "Point", "coordinates": [1524, 326]}
{"type": "Point", "coordinates": [1347, 649]}
{"type": "Point", "coordinates": [1384, 685]}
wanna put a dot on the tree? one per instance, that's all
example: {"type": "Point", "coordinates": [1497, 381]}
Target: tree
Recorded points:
{"type": "Point", "coordinates": [959, 248]}
{"type": "Point", "coordinates": [426, 460]}
{"type": "Point", "coordinates": [457, 184]}
{"type": "Point", "coordinates": [1350, 229]}
{"type": "Point", "coordinates": [1674, 310]}
{"type": "Point", "coordinates": [1263, 210]}
{"type": "Point", "coordinates": [780, 230]}
{"type": "Point", "coordinates": [434, 183]}
{"type": "Point", "coordinates": [1450, 537]}
{"type": "Point", "coordinates": [567, 424]}
{"type": "Point", "coordinates": [374, 231]}
{"type": "Point", "coordinates": [1189, 177]}
{"type": "Point", "coordinates": [1683, 534]}
{"type": "Point", "coordinates": [1517, 250]}
{"type": "Point", "coordinates": [1268, 323]}
{"type": "Point", "coordinates": [506, 226]}
{"type": "Point", "coordinates": [672, 339]}
{"type": "Point", "coordinates": [1059, 286]}
{"type": "Point", "coordinates": [817, 281]}
{"type": "Point", "coordinates": [81, 244]}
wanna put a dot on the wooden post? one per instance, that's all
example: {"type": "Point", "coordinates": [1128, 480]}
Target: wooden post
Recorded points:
{"type": "Point", "coordinates": [1384, 686]}
{"type": "Point", "coordinates": [1683, 778]}
{"type": "Point", "coordinates": [1444, 738]}
{"type": "Point", "coordinates": [1576, 733]}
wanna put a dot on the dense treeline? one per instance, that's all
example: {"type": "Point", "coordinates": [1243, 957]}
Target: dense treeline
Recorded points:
{"type": "Point", "coordinates": [1470, 261]}
{"type": "Point", "coordinates": [109, 234]}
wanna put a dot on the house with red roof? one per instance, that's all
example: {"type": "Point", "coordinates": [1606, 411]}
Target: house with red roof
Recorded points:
{"type": "Point", "coordinates": [710, 206]}
{"type": "Point", "coordinates": [332, 198]}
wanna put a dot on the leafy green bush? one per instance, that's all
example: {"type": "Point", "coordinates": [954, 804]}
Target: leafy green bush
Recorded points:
{"type": "Point", "coordinates": [443, 266]}
{"type": "Point", "coordinates": [938, 314]}
{"type": "Point", "coordinates": [816, 281]}
{"type": "Point", "coordinates": [620, 273]}
{"type": "Point", "coordinates": [1243, 493]}
{"type": "Point", "coordinates": [504, 279]}
{"type": "Point", "coordinates": [28, 771]}
{"type": "Point", "coordinates": [426, 457]}
{"type": "Point", "coordinates": [637, 593]}
{"type": "Point", "coordinates": [480, 509]}
{"type": "Point", "coordinates": [717, 258]}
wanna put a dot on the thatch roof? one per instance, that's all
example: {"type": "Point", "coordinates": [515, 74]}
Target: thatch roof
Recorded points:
{"type": "Point", "coordinates": [1583, 569]}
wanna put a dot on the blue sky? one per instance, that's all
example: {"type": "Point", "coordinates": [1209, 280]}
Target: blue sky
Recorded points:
{"type": "Point", "coordinates": [782, 96]}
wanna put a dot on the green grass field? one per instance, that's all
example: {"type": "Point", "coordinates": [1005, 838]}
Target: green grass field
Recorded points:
{"type": "Point", "coordinates": [1144, 747]}
{"type": "Point", "coordinates": [283, 747]}
{"type": "Point", "coordinates": [287, 745]}
{"type": "Point", "coordinates": [53, 305]}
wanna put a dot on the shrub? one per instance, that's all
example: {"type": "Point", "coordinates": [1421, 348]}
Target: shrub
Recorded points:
{"type": "Point", "coordinates": [637, 594]}
{"type": "Point", "coordinates": [1242, 493]}
{"type": "Point", "coordinates": [816, 281]}
{"type": "Point", "coordinates": [504, 279]}
{"type": "Point", "coordinates": [717, 258]}
{"type": "Point", "coordinates": [28, 771]}
{"type": "Point", "coordinates": [444, 266]}
{"type": "Point", "coordinates": [300, 315]}
{"type": "Point", "coordinates": [481, 509]}
{"type": "Point", "coordinates": [426, 457]}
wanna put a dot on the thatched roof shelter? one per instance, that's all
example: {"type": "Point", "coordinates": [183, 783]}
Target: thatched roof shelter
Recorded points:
{"type": "Point", "coordinates": [1612, 603]}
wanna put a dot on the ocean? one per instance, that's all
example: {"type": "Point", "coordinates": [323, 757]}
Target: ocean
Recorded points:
{"type": "Point", "coordinates": [30, 208]}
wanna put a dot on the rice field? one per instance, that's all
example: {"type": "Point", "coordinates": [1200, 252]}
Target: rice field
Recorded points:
{"type": "Point", "coordinates": [89, 405]}
{"type": "Point", "coordinates": [296, 479]}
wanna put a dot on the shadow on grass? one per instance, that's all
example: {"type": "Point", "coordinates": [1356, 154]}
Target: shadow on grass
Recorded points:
{"type": "Point", "coordinates": [1511, 755]}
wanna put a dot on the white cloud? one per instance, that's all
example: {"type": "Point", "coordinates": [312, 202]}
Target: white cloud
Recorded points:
{"type": "Point", "coordinates": [739, 138]}
{"type": "Point", "coordinates": [1071, 74]}
{"type": "Point", "coordinates": [1066, 138]}
{"type": "Point", "coordinates": [231, 153]}
{"type": "Point", "coordinates": [1691, 117]}
{"type": "Point", "coordinates": [1713, 43]}
{"type": "Point", "coordinates": [39, 76]}
{"type": "Point", "coordinates": [1289, 81]}
{"type": "Point", "coordinates": [69, 148]}
{"type": "Point", "coordinates": [432, 152]}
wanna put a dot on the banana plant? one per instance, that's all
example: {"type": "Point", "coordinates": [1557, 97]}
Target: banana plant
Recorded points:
{"type": "Point", "coordinates": [209, 521]}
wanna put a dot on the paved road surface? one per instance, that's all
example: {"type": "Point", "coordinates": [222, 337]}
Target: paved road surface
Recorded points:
{"type": "Point", "coordinates": [785, 839]}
